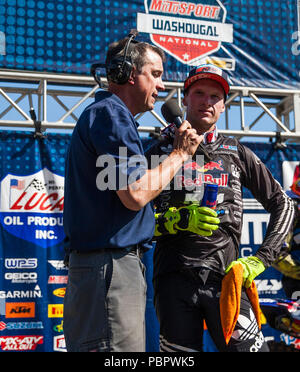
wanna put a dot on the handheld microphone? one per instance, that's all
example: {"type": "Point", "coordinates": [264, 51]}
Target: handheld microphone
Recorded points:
{"type": "Point", "coordinates": [172, 112]}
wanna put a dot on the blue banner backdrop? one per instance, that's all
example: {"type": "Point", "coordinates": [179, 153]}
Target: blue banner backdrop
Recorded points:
{"type": "Point", "coordinates": [33, 279]}
{"type": "Point", "coordinates": [32, 276]}
{"type": "Point", "coordinates": [247, 38]}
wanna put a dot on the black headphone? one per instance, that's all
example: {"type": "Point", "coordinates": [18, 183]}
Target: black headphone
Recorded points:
{"type": "Point", "coordinates": [119, 68]}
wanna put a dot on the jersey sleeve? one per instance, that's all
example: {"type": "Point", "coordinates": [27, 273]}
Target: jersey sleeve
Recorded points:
{"type": "Point", "coordinates": [259, 180]}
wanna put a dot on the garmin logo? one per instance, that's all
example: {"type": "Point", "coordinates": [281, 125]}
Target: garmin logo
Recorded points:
{"type": "Point", "coordinates": [20, 294]}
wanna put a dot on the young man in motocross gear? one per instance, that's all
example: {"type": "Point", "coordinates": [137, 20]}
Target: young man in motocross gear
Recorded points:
{"type": "Point", "coordinates": [191, 258]}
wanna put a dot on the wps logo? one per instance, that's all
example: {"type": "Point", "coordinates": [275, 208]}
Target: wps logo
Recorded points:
{"type": "Point", "coordinates": [32, 207]}
{"type": "Point", "coordinates": [21, 263]}
{"type": "Point", "coordinates": [188, 31]}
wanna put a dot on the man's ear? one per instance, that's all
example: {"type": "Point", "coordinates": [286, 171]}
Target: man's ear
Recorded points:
{"type": "Point", "coordinates": [132, 76]}
{"type": "Point", "coordinates": [223, 108]}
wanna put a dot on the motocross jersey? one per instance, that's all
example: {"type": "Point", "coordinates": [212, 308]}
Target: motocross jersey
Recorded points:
{"type": "Point", "coordinates": [231, 165]}
{"type": "Point", "coordinates": [292, 241]}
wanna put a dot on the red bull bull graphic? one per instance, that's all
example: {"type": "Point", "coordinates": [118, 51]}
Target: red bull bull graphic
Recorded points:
{"type": "Point", "coordinates": [212, 165]}
{"type": "Point", "coordinates": [31, 207]}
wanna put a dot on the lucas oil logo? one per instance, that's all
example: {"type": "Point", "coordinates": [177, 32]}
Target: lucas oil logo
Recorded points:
{"type": "Point", "coordinates": [31, 207]}
{"type": "Point", "coordinates": [188, 31]}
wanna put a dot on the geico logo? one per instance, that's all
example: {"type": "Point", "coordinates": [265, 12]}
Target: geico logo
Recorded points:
{"type": "Point", "coordinates": [20, 276]}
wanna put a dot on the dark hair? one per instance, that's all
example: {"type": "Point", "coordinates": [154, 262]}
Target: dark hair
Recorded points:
{"type": "Point", "coordinates": [137, 52]}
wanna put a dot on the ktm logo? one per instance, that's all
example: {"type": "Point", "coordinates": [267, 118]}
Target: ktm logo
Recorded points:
{"type": "Point", "coordinates": [20, 310]}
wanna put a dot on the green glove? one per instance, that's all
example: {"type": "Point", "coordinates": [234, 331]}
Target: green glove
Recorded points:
{"type": "Point", "coordinates": [164, 222]}
{"type": "Point", "coordinates": [252, 266]}
{"type": "Point", "coordinates": [199, 220]}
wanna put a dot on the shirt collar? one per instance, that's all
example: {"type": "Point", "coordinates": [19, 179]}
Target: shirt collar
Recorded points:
{"type": "Point", "coordinates": [210, 137]}
{"type": "Point", "coordinates": [101, 94]}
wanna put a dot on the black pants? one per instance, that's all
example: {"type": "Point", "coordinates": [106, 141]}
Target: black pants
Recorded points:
{"type": "Point", "coordinates": [184, 299]}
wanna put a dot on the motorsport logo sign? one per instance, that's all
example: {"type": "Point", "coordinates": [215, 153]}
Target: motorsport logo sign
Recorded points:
{"type": "Point", "coordinates": [188, 31]}
{"type": "Point", "coordinates": [31, 207]}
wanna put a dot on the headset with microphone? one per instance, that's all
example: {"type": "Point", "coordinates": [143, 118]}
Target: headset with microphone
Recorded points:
{"type": "Point", "coordinates": [118, 70]}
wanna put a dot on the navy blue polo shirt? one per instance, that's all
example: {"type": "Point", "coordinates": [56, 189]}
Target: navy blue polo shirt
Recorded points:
{"type": "Point", "coordinates": [104, 155]}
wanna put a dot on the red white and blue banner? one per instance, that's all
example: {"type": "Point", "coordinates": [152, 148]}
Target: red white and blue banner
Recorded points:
{"type": "Point", "coordinates": [32, 275]}
{"type": "Point", "coordinates": [247, 38]}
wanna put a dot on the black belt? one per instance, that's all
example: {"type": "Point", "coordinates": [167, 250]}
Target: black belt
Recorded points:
{"type": "Point", "coordinates": [136, 249]}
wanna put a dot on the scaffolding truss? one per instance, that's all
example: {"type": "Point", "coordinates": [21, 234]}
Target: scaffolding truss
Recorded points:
{"type": "Point", "coordinates": [42, 101]}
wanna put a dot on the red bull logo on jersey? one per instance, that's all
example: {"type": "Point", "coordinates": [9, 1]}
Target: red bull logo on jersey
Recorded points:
{"type": "Point", "coordinates": [188, 31]}
{"type": "Point", "coordinates": [211, 172]}
{"type": "Point", "coordinates": [32, 207]}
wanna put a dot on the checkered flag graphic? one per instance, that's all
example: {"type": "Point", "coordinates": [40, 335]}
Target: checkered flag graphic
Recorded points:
{"type": "Point", "coordinates": [37, 184]}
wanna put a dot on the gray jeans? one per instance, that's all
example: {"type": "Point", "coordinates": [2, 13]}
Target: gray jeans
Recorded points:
{"type": "Point", "coordinates": [104, 306]}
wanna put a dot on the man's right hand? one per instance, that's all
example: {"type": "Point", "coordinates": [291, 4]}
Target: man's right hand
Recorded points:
{"type": "Point", "coordinates": [186, 140]}
{"type": "Point", "coordinates": [137, 194]}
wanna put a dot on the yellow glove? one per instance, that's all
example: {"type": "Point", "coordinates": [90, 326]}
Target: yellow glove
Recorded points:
{"type": "Point", "coordinates": [288, 267]}
{"type": "Point", "coordinates": [199, 220]}
{"type": "Point", "coordinates": [252, 268]}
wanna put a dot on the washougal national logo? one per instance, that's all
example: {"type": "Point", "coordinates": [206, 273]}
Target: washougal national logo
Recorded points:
{"type": "Point", "coordinates": [31, 207]}
{"type": "Point", "coordinates": [189, 31]}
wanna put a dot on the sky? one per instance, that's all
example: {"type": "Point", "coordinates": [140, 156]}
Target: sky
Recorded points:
{"type": "Point", "coordinates": [55, 112]}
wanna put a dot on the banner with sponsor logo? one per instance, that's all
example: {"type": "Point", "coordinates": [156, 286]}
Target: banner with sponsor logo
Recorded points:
{"type": "Point", "coordinates": [247, 38]}
{"type": "Point", "coordinates": [32, 276]}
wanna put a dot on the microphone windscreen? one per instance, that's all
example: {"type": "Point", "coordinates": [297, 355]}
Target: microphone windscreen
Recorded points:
{"type": "Point", "coordinates": [170, 111]}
